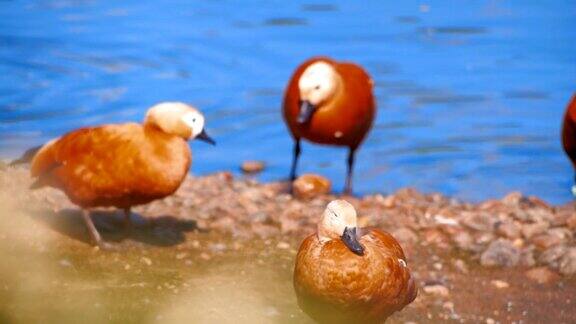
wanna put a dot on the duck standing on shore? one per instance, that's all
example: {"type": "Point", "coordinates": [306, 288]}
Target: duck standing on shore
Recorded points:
{"type": "Point", "coordinates": [121, 165]}
{"type": "Point", "coordinates": [569, 135]}
{"type": "Point", "coordinates": [344, 276]}
{"type": "Point", "coordinates": [329, 102]}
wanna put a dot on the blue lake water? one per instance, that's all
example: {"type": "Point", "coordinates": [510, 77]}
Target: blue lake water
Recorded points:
{"type": "Point", "coordinates": [470, 93]}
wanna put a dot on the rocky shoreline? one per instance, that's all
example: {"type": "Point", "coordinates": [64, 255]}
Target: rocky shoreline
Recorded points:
{"type": "Point", "coordinates": [509, 232]}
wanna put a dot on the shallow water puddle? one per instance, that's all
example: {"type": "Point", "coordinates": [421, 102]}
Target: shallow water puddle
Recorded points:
{"type": "Point", "coordinates": [134, 284]}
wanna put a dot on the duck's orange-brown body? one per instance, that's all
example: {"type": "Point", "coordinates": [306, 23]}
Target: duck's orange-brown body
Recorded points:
{"type": "Point", "coordinates": [345, 119]}
{"type": "Point", "coordinates": [569, 131]}
{"type": "Point", "coordinates": [334, 285]}
{"type": "Point", "coordinates": [113, 165]}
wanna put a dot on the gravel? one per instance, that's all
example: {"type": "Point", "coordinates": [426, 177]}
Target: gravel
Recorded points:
{"type": "Point", "coordinates": [513, 231]}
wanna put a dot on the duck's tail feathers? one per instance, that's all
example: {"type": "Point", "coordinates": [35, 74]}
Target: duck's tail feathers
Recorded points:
{"type": "Point", "coordinates": [27, 156]}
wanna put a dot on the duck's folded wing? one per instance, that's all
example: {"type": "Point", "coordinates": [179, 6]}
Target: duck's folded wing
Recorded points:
{"type": "Point", "coordinates": [401, 284]}
{"type": "Point", "coordinates": [82, 153]}
{"type": "Point", "coordinates": [387, 240]}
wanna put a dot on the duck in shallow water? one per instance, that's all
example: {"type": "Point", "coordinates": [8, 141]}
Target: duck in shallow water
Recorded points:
{"type": "Point", "coordinates": [346, 275]}
{"type": "Point", "coordinates": [329, 102]}
{"type": "Point", "coordinates": [121, 165]}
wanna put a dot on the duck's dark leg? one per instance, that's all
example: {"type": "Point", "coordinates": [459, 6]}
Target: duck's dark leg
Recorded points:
{"type": "Point", "coordinates": [348, 186]}
{"type": "Point", "coordinates": [127, 221]}
{"type": "Point", "coordinates": [295, 156]}
{"type": "Point", "coordinates": [94, 235]}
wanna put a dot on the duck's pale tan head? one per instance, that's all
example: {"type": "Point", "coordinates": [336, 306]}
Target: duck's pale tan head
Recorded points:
{"type": "Point", "coordinates": [180, 119]}
{"type": "Point", "coordinates": [317, 85]}
{"type": "Point", "coordinates": [339, 221]}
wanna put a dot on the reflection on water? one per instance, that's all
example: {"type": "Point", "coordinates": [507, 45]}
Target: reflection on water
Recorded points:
{"type": "Point", "coordinates": [454, 82]}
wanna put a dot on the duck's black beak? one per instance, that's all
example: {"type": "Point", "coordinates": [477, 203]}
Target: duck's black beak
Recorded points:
{"type": "Point", "coordinates": [306, 111]}
{"type": "Point", "coordinates": [203, 136]}
{"type": "Point", "coordinates": [350, 239]}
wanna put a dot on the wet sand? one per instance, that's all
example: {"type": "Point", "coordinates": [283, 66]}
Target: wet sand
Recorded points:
{"type": "Point", "coordinates": [222, 250]}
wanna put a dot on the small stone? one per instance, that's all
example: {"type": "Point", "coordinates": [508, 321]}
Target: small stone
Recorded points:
{"type": "Point", "coordinates": [485, 238]}
{"type": "Point", "coordinates": [434, 236]}
{"type": "Point", "coordinates": [513, 199]}
{"type": "Point", "coordinates": [181, 255]}
{"type": "Point", "coordinates": [226, 176]}
{"type": "Point", "coordinates": [205, 256]}
{"type": "Point", "coordinates": [261, 217]}
{"type": "Point", "coordinates": [500, 284]}
{"type": "Point", "coordinates": [461, 266]}
{"type": "Point", "coordinates": [519, 243]}
{"type": "Point", "coordinates": [308, 186]}
{"type": "Point", "coordinates": [537, 215]}
{"type": "Point", "coordinates": [542, 275]}
{"type": "Point", "coordinates": [509, 230]}
{"type": "Point", "coordinates": [443, 220]}
{"type": "Point", "coordinates": [146, 261]}
{"type": "Point", "coordinates": [500, 253]}
{"type": "Point", "coordinates": [490, 204]}
{"type": "Point", "coordinates": [483, 222]}
{"type": "Point", "coordinates": [217, 247]}
{"type": "Point", "coordinates": [553, 254]}
{"type": "Point", "coordinates": [464, 241]}
{"type": "Point", "coordinates": [537, 202]}
{"type": "Point", "coordinates": [283, 245]}
{"type": "Point", "coordinates": [389, 201]}
{"type": "Point", "coordinates": [568, 262]}
{"type": "Point", "coordinates": [562, 233]}
{"type": "Point", "coordinates": [530, 230]}
{"type": "Point", "coordinates": [436, 290]}
{"type": "Point", "coordinates": [571, 222]}
{"type": "Point", "coordinates": [490, 321]}
{"type": "Point", "coordinates": [527, 258]}
{"type": "Point", "coordinates": [559, 219]}
{"type": "Point", "coordinates": [545, 241]}
{"type": "Point", "coordinates": [437, 266]}
{"type": "Point", "coordinates": [252, 166]}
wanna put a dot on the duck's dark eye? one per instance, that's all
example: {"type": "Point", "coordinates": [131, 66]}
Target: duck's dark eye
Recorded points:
{"type": "Point", "coordinates": [193, 120]}
{"type": "Point", "coordinates": [317, 87]}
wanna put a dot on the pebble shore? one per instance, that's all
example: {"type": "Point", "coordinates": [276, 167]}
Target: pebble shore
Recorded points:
{"type": "Point", "coordinates": [513, 231]}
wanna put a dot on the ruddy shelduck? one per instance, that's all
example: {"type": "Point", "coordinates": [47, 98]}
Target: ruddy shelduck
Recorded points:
{"type": "Point", "coordinates": [121, 165]}
{"type": "Point", "coordinates": [569, 135]}
{"type": "Point", "coordinates": [329, 102]}
{"type": "Point", "coordinates": [347, 275]}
